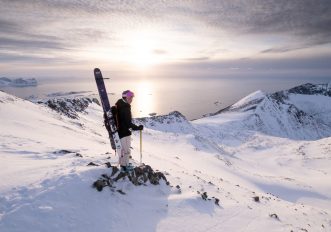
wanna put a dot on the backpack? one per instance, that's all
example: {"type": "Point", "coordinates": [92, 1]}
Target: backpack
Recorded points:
{"type": "Point", "coordinates": [114, 113]}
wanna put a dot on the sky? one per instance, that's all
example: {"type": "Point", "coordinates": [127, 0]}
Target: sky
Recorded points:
{"type": "Point", "coordinates": [193, 37]}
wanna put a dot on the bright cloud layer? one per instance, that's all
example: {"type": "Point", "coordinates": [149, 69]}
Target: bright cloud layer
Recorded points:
{"type": "Point", "coordinates": [145, 33]}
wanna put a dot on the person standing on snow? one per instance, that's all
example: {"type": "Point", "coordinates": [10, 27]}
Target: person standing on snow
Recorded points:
{"type": "Point", "coordinates": [124, 118]}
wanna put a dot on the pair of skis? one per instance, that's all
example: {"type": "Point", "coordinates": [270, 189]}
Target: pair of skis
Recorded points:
{"type": "Point", "coordinates": [109, 117]}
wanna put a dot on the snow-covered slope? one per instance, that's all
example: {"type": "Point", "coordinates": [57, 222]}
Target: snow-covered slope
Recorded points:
{"type": "Point", "coordinates": [249, 102]}
{"type": "Point", "coordinates": [261, 181]}
{"type": "Point", "coordinates": [302, 112]}
{"type": "Point", "coordinates": [173, 122]}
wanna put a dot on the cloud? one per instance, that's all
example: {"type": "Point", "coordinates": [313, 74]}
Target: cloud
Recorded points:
{"type": "Point", "coordinates": [255, 64]}
{"type": "Point", "coordinates": [309, 21]}
{"type": "Point", "coordinates": [159, 51]}
{"type": "Point", "coordinates": [29, 44]}
{"type": "Point", "coordinates": [197, 58]}
{"type": "Point", "coordinates": [31, 59]}
{"type": "Point", "coordinates": [299, 17]}
{"type": "Point", "coordinates": [57, 25]}
{"type": "Point", "coordinates": [296, 46]}
{"type": "Point", "coordinates": [8, 27]}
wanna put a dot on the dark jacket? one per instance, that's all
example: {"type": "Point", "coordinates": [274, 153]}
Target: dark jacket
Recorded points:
{"type": "Point", "coordinates": [124, 118]}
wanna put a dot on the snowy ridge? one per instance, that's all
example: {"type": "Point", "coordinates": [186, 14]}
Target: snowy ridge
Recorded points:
{"type": "Point", "coordinates": [173, 122]}
{"type": "Point", "coordinates": [70, 94]}
{"type": "Point", "coordinates": [302, 112]}
{"type": "Point", "coordinates": [4, 98]}
{"type": "Point", "coordinates": [311, 89]}
{"type": "Point", "coordinates": [317, 106]}
{"type": "Point", "coordinates": [261, 181]}
{"type": "Point", "coordinates": [19, 82]}
{"type": "Point", "coordinates": [286, 120]}
{"type": "Point", "coordinates": [249, 102]}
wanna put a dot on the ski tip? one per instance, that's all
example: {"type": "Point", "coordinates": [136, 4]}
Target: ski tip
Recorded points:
{"type": "Point", "coordinates": [97, 70]}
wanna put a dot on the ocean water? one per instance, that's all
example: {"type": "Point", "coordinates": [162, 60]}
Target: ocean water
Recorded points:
{"type": "Point", "coordinates": [193, 97]}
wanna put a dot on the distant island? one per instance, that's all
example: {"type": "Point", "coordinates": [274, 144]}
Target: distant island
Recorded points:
{"type": "Point", "coordinates": [19, 82]}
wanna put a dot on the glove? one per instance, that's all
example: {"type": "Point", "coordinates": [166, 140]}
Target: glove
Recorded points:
{"type": "Point", "coordinates": [137, 128]}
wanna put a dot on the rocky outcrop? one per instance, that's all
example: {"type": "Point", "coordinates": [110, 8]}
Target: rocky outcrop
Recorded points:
{"type": "Point", "coordinates": [70, 107]}
{"type": "Point", "coordinates": [141, 175]}
{"type": "Point", "coordinates": [311, 89]}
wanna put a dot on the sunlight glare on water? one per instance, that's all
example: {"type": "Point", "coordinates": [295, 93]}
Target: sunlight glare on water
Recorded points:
{"type": "Point", "coordinates": [144, 100]}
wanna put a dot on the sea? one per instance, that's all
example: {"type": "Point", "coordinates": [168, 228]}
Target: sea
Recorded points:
{"type": "Point", "coordinates": [193, 97]}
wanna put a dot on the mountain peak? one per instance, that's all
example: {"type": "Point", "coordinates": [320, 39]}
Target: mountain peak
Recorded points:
{"type": "Point", "coordinates": [249, 102]}
{"type": "Point", "coordinates": [312, 89]}
{"type": "Point", "coordinates": [301, 112]}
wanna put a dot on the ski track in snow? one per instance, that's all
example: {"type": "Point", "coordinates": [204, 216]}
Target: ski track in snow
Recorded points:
{"type": "Point", "coordinates": [46, 183]}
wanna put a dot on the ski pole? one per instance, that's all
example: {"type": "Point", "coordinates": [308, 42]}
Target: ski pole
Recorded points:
{"type": "Point", "coordinates": [141, 147]}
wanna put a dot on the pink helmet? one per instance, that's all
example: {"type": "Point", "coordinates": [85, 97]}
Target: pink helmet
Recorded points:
{"type": "Point", "coordinates": [127, 93]}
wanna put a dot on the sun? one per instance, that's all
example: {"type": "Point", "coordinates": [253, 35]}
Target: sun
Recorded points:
{"type": "Point", "coordinates": [141, 48]}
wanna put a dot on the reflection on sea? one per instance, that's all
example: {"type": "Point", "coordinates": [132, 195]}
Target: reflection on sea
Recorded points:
{"type": "Point", "coordinates": [144, 101]}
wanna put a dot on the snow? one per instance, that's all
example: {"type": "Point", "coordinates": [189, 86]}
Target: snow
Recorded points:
{"type": "Point", "coordinates": [253, 97]}
{"type": "Point", "coordinates": [19, 82]}
{"type": "Point", "coordinates": [45, 188]}
{"type": "Point", "coordinates": [316, 105]}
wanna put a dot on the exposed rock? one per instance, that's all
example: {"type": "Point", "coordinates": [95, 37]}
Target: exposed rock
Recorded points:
{"type": "Point", "coordinates": [79, 155]}
{"type": "Point", "coordinates": [92, 164]}
{"type": "Point", "coordinates": [274, 216]}
{"type": "Point", "coordinates": [311, 89]}
{"type": "Point", "coordinates": [121, 192]}
{"type": "Point", "coordinates": [204, 196]}
{"type": "Point", "coordinates": [63, 152]}
{"type": "Point", "coordinates": [70, 107]}
{"type": "Point", "coordinates": [179, 189]}
{"type": "Point", "coordinates": [108, 165]}
{"type": "Point", "coordinates": [138, 176]}
{"type": "Point", "coordinates": [217, 201]}
{"type": "Point", "coordinates": [100, 184]}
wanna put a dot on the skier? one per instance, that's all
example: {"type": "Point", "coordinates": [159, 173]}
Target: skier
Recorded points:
{"type": "Point", "coordinates": [124, 123]}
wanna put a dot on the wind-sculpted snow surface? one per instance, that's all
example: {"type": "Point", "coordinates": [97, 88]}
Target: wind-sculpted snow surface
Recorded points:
{"type": "Point", "coordinates": [224, 172]}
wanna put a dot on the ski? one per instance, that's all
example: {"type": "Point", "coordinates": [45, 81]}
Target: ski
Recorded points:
{"type": "Point", "coordinates": [112, 129]}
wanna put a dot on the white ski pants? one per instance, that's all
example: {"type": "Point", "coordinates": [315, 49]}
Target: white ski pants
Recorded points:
{"type": "Point", "coordinates": [126, 151]}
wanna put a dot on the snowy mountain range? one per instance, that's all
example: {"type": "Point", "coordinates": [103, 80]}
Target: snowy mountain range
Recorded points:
{"type": "Point", "coordinates": [18, 82]}
{"type": "Point", "coordinates": [302, 112]}
{"type": "Point", "coordinates": [260, 164]}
